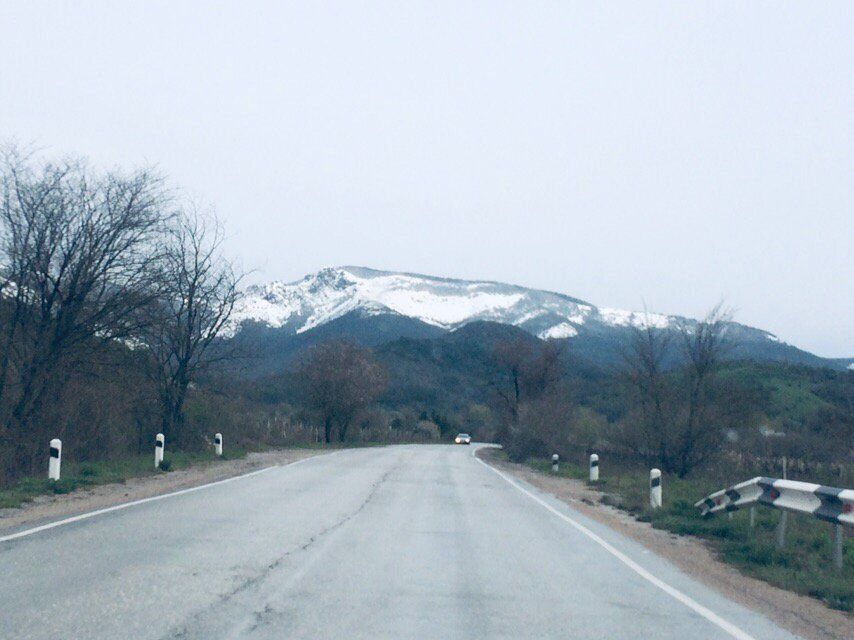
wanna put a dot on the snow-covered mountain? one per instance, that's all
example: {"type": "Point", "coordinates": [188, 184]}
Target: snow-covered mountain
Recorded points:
{"type": "Point", "coordinates": [331, 293]}
{"type": "Point", "coordinates": [278, 321]}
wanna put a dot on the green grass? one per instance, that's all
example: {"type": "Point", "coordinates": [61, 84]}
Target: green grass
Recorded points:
{"type": "Point", "coordinates": [565, 469]}
{"type": "Point", "coordinates": [791, 390]}
{"type": "Point", "coordinates": [803, 566]}
{"type": "Point", "coordinates": [87, 474]}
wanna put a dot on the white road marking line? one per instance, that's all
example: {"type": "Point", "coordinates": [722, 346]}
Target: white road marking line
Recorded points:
{"type": "Point", "coordinates": [125, 505]}
{"type": "Point", "coordinates": [689, 602]}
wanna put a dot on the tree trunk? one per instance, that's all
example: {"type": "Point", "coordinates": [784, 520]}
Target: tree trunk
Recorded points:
{"type": "Point", "coordinates": [342, 430]}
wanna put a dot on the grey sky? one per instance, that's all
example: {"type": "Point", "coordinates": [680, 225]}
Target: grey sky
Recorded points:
{"type": "Point", "coordinates": [667, 153]}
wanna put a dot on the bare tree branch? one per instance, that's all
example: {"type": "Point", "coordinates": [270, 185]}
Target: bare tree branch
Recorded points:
{"type": "Point", "coordinates": [197, 291]}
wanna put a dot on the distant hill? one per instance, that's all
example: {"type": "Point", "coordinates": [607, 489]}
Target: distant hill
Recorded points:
{"type": "Point", "coordinates": [445, 374]}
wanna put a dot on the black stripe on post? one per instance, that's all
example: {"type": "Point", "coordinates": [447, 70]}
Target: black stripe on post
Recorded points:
{"type": "Point", "coordinates": [594, 463]}
{"type": "Point", "coordinates": [54, 452]}
{"type": "Point", "coordinates": [158, 443]}
{"type": "Point", "coordinates": [217, 441]}
{"type": "Point", "coordinates": [654, 482]}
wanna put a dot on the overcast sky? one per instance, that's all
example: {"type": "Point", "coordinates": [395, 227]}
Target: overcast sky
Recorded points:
{"type": "Point", "coordinates": [671, 154]}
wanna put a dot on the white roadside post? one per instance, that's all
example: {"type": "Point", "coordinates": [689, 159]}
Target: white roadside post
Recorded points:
{"type": "Point", "coordinates": [159, 444]}
{"type": "Point", "coordinates": [55, 459]}
{"type": "Point", "coordinates": [655, 488]}
{"type": "Point", "coordinates": [218, 443]}
{"type": "Point", "coordinates": [555, 459]}
{"type": "Point", "coordinates": [594, 467]}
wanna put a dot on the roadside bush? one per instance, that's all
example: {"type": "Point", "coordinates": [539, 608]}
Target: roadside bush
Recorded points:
{"type": "Point", "coordinates": [65, 485]}
{"type": "Point", "coordinates": [88, 470]}
{"type": "Point", "coordinates": [521, 447]}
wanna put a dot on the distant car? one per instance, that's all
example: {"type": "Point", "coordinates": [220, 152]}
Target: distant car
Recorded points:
{"type": "Point", "coordinates": [463, 438]}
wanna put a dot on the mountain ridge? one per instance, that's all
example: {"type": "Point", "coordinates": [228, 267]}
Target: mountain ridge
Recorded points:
{"type": "Point", "coordinates": [284, 303]}
{"type": "Point", "coordinates": [355, 299]}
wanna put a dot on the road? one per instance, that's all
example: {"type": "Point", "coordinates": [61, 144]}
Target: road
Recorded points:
{"type": "Point", "coordinates": [389, 542]}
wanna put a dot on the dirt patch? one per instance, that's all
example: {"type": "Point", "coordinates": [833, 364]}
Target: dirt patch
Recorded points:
{"type": "Point", "coordinates": [799, 614]}
{"type": "Point", "coordinates": [51, 507]}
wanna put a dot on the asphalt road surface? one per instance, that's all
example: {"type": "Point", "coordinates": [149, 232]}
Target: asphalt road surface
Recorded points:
{"type": "Point", "coordinates": [392, 542]}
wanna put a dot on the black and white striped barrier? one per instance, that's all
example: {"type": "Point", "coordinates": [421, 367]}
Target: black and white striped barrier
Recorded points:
{"type": "Point", "coordinates": [218, 443]}
{"type": "Point", "coordinates": [827, 503]}
{"type": "Point", "coordinates": [830, 504]}
{"type": "Point", "coordinates": [159, 445]}
{"type": "Point", "coordinates": [655, 488]}
{"type": "Point", "coordinates": [55, 459]}
{"type": "Point", "coordinates": [555, 463]}
{"type": "Point", "coordinates": [594, 467]}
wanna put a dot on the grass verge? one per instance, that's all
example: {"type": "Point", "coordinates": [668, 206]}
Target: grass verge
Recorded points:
{"type": "Point", "coordinates": [88, 474]}
{"type": "Point", "coordinates": [803, 565]}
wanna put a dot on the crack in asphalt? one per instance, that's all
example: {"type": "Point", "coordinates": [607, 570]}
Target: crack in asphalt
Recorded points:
{"type": "Point", "coordinates": [263, 616]}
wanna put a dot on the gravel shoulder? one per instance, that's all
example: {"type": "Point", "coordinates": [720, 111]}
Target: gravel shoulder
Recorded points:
{"type": "Point", "coordinates": [799, 614]}
{"type": "Point", "coordinates": [52, 507]}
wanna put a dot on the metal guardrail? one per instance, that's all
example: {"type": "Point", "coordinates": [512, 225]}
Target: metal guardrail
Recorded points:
{"type": "Point", "coordinates": [831, 504]}
{"type": "Point", "coordinates": [827, 503]}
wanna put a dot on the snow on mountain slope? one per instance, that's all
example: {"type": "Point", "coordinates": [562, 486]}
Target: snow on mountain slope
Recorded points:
{"type": "Point", "coordinates": [333, 292]}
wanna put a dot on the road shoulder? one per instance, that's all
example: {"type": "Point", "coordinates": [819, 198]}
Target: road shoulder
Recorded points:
{"type": "Point", "coordinates": [46, 508]}
{"type": "Point", "coordinates": [801, 615]}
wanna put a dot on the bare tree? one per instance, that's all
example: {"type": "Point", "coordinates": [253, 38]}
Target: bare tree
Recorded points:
{"type": "Point", "coordinates": [196, 294]}
{"type": "Point", "coordinates": [647, 375]}
{"type": "Point", "coordinates": [704, 345]}
{"type": "Point", "coordinates": [339, 379]}
{"type": "Point", "coordinates": [546, 370]}
{"type": "Point", "coordinates": [75, 254]}
{"type": "Point", "coordinates": [510, 359]}
{"type": "Point", "coordinates": [526, 379]}
{"type": "Point", "coordinates": [677, 421]}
